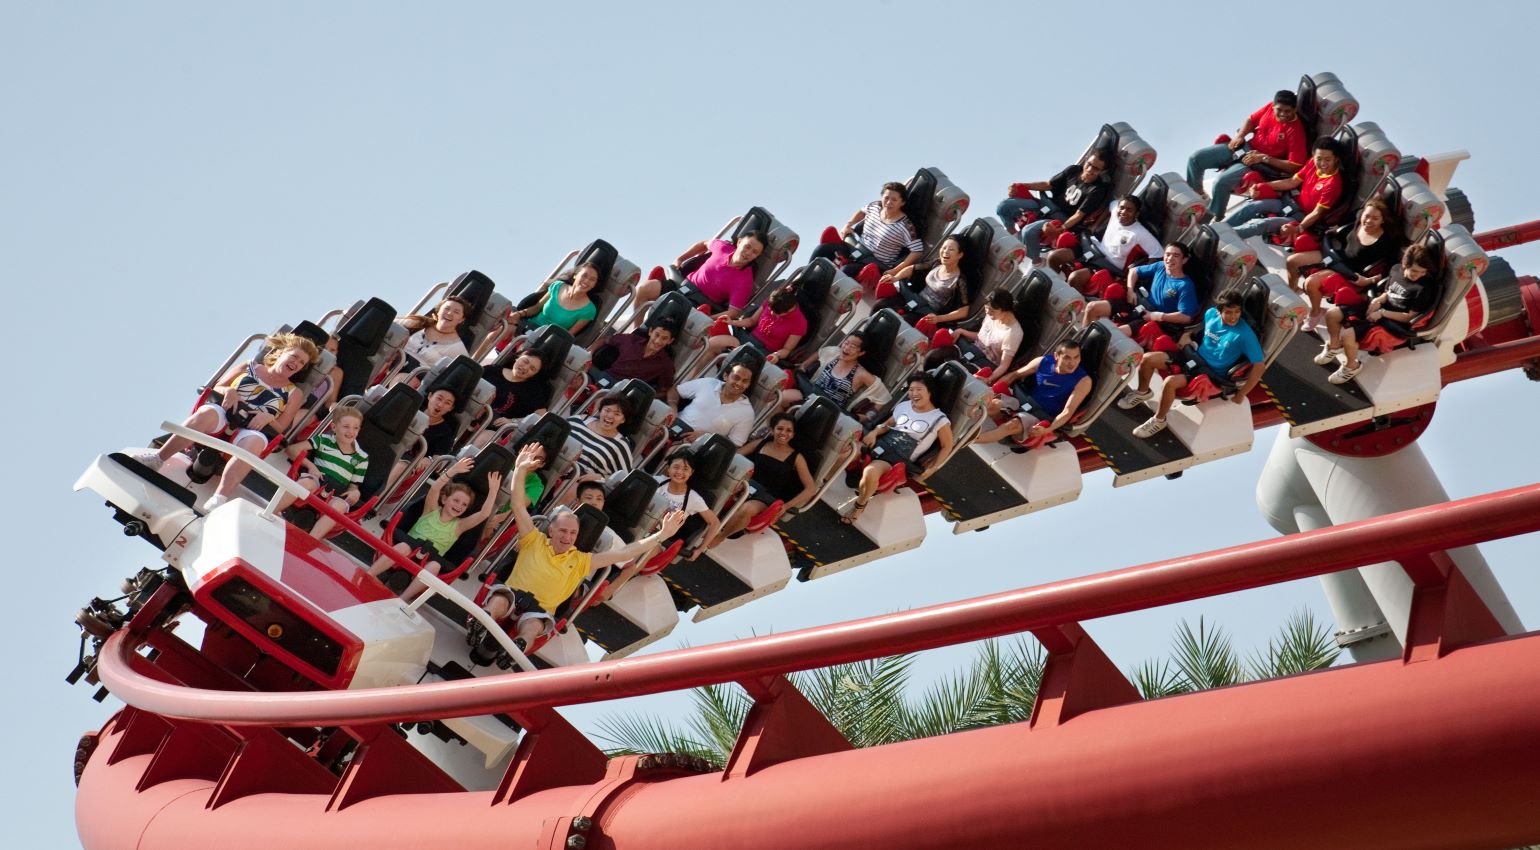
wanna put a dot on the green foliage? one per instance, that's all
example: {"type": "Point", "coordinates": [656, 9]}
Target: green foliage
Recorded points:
{"type": "Point", "coordinates": [866, 701]}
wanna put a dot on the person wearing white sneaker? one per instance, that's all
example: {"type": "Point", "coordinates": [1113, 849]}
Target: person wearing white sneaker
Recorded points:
{"type": "Point", "coordinates": [1226, 339]}
{"type": "Point", "coordinates": [213, 502]}
{"type": "Point", "coordinates": [1358, 257]}
{"type": "Point", "coordinates": [253, 400]}
{"type": "Point", "coordinates": [1405, 297]}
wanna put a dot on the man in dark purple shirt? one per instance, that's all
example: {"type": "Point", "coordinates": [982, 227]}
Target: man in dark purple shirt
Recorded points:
{"type": "Point", "coordinates": [646, 358]}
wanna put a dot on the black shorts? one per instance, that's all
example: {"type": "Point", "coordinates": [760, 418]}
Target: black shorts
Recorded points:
{"type": "Point", "coordinates": [690, 293]}
{"type": "Point", "coordinates": [893, 447]}
{"type": "Point", "coordinates": [402, 535]}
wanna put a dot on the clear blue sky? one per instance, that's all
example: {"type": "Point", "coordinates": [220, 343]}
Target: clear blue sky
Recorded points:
{"type": "Point", "coordinates": [179, 175]}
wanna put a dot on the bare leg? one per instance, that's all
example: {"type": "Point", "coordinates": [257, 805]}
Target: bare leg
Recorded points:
{"type": "Point", "coordinates": [235, 471]}
{"type": "Point", "coordinates": [1297, 263]}
{"type": "Point", "coordinates": [324, 524]}
{"type": "Point", "coordinates": [1334, 328]}
{"type": "Point", "coordinates": [718, 344]}
{"type": "Point", "coordinates": [1168, 391]}
{"type": "Point", "coordinates": [1350, 347]}
{"type": "Point", "coordinates": [740, 520]}
{"type": "Point", "coordinates": [1313, 290]}
{"type": "Point", "coordinates": [204, 420]}
{"type": "Point", "coordinates": [1095, 310]}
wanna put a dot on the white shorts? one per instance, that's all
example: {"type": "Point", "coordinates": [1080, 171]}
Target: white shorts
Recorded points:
{"type": "Point", "coordinates": [224, 424]}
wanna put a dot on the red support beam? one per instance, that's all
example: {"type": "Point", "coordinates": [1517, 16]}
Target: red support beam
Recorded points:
{"type": "Point", "coordinates": [1438, 527]}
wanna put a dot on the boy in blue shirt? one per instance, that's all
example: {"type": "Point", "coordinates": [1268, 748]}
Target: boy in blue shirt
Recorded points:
{"type": "Point", "coordinates": [1226, 339]}
{"type": "Point", "coordinates": [1172, 301]}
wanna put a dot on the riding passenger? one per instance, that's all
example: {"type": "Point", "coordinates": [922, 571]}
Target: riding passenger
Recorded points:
{"type": "Point", "coordinates": [516, 392]}
{"type": "Point", "coordinates": [1360, 255]}
{"type": "Point", "coordinates": [1172, 302]}
{"type": "Point", "coordinates": [246, 408]}
{"type": "Point", "coordinates": [1074, 195]}
{"type": "Point", "coordinates": [605, 450]}
{"type": "Point", "coordinates": [780, 475]}
{"type": "Point", "coordinates": [568, 304]}
{"type": "Point", "coordinates": [889, 243]}
{"type": "Point", "coordinates": [998, 338]}
{"type": "Point", "coordinates": [778, 327]}
{"type": "Point", "coordinates": [1226, 339]}
{"type": "Point", "coordinates": [1277, 148]}
{"type": "Point", "coordinates": [442, 522]}
{"type": "Point", "coordinates": [435, 336]}
{"type": "Point", "coordinates": [840, 376]}
{"type": "Point", "coordinates": [915, 424]}
{"type": "Point", "coordinates": [1319, 183]}
{"type": "Point", "coordinates": [549, 567]}
{"type": "Point", "coordinates": [724, 283]}
{"type": "Point", "coordinates": [943, 296]}
{"type": "Point", "coordinates": [648, 357]}
{"type": "Point", "coordinates": [335, 463]}
{"type": "Point", "coordinates": [1408, 292]}
{"type": "Point", "coordinates": [1062, 385]}
{"type": "Point", "coordinates": [682, 498]}
{"type": "Point", "coordinates": [718, 405]}
{"type": "Point", "coordinates": [1113, 249]}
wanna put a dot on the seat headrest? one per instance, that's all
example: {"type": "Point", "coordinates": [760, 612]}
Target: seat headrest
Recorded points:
{"type": "Point", "coordinates": [636, 396]}
{"type": "Point", "coordinates": [672, 311]}
{"type": "Point", "coordinates": [493, 458]}
{"type": "Point", "coordinates": [815, 421]}
{"type": "Point", "coordinates": [881, 331]}
{"type": "Point", "coordinates": [812, 283]}
{"type": "Point", "coordinates": [1094, 340]}
{"type": "Point", "coordinates": [745, 355]}
{"type": "Point", "coordinates": [549, 342]}
{"type": "Point", "coordinates": [1254, 298]}
{"type": "Point", "coordinates": [475, 288]}
{"type": "Point", "coordinates": [919, 197]}
{"type": "Point", "coordinates": [629, 497]}
{"type": "Point", "coordinates": [977, 239]}
{"type": "Point", "coordinates": [603, 255]}
{"type": "Point", "coordinates": [591, 524]}
{"type": "Point", "coordinates": [950, 377]}
{"type": "Point", "coordinates": [392, 413]}
{"type": "Point", "coordinates": [1032, 298]}
{"type": "Point", "coordinates": [710, 456]}
{"type": "Point", "coordinates": [366, 329]}
{"type": "Point", "coordinates": [1152, 204]}
{"type": "Point", "coordinates": [757, 218]}
{"type": "Point", "coordinates": [1106, 146]}
{"type": "Point", "coordinates": [550, 431]}
{"type": "Point", "coordinates": [313, 332]}
{"type": "Point", "coordinates": [459, 376]}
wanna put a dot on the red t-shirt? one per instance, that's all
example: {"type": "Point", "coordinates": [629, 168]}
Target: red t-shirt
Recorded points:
{"type": "Point", "coordinates": [1317, 189]}
{"type": "Point", "coordinates": [773, 330]}
{"type": "Point", "coordinates": [1281, 141]}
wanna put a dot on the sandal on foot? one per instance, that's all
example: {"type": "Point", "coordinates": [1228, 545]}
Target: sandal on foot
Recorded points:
{"type": "Point", "coordinates": [855, 512]}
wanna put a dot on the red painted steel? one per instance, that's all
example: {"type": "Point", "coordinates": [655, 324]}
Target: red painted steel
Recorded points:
{"type": "Point", "coordinates": [1507, 237]}
{"type": "Point", "coordinates": [1438, 527]}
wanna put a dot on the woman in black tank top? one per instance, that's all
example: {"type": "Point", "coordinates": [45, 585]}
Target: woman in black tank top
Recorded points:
{"type": "Point", "coordinates": [780, 474]}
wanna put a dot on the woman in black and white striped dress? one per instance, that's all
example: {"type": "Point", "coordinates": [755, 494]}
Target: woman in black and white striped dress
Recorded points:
{"type": "Point", "coordinates": [605, 450]}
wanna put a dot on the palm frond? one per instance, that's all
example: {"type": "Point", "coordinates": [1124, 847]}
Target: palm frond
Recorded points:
{"type": "Point", "coordinates": [719, 714]}
{"type": "Point", "coordinates": [863, 699]}
{"type": "Point", "coordinates": [1206, 657]}
{"type": "Point", "coordinates": [1013, 674]}
{"type": "Point", "coordinates": [637, 734]}
{"type": "Point", "coordinates": [1301, 645]}
{"type": "Point", "coordinates": [1156, 679]}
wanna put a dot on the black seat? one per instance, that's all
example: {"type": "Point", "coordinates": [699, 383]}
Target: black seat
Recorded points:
{"type": "Point", "coordinates": [1031, 304]}
{"type": "Point", "coordinates": [671, 310]}
{"type": "Point", "coordinates": [359, 338]}
{"type": "Point", "coordinates": [475, 288]}
{"type": "Point", "coordinates": [950, 377]}
{"type": "Point", "coordinates": [919, 195]}
{"type": "Point", "coordinates": [1306, 106]}
{"type": "Point", "coordinates": [550, 431]}
{"type": "Point", "coordinates": [746, 355]}
{"type": "Point", "coordinates": [603, 255]}
{"type": "Point", "coordinates": [460, 376]}
{"type": "Point", "coordinates": [712, 454]}
{"type": "Point", "coordinates": [977, 239]}
{"type": "Point", "coordinates": [1202, 265]}
{"type": "Point", "coordinates": [385, 423]}
{"type": "Point", "coordinates": [1254, 298]}
{"type": "Point", "coordinates": [757, 218]}
{"type": "Point", "coordinates": [812, 283]}
{"type": "Point", "coordinates": [1436, 278]}
{"type": "Point", "coordinates": [1094, 340]}
{"type": "Point", "coordinates": [815, 421]}
{"type": "Point", "coordinates": [1152, 204]}
{"type": "Point", "coordinates": [551, 343]}
{"type": "Point", "coordinates": [627, 501]}
{"type": "Point", "coordinates": [881, 332]}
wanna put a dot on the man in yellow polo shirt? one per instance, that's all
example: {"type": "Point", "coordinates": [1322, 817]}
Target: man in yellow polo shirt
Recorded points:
{"type": "Point", "coordinates": [550, 566]}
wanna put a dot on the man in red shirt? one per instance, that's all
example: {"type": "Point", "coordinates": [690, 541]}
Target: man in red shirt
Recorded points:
{"type": "Point", "coordinates": [1319, 185]}
{"type": "Point", "coordinates": [1277, 148]}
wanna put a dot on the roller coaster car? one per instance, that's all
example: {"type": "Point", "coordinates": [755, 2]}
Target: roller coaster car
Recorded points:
{"type": "Point", "coordinates": [641, 610]}
{"type": "Point", "coordinates": [1402, 362]}
{"type": "Point", "coordinates": [738, 571]}
{"type": "Point", "coordinates": [1200, 430]}
{"type": "Point", "coordinates": [893, 521]}
{"type": "Point", "coordinates": [991, 482]}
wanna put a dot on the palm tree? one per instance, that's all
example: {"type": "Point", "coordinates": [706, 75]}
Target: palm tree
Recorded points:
{"type": "Point", "coordinates": [866, 700]}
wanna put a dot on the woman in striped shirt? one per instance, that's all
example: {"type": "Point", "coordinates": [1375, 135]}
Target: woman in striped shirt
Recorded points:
{"type": "Point", "coordinates": [889, 242]}
{"type": "Point", "coordinates": [604, 449]}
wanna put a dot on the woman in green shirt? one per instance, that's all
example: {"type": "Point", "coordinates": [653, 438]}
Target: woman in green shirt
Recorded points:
{"type": "Point", "coordinates": [565, 303]}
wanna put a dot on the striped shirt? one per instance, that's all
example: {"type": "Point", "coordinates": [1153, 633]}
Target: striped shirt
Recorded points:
{"type": "Point", "coordinates": [888, 241]}
{"type": "Point", "coordinates": [600, 454]}
{"type": "Point", "coordinates": [339, 468]}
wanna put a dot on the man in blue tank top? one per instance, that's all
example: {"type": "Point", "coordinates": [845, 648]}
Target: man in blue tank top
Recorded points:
{"type": "Point", "coordinates": [1226, 339]}
{"type": "Point", "coordinates": [1062, 384]}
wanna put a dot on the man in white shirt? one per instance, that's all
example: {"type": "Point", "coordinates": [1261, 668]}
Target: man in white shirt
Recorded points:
{"type": "Point", "coordinates": [718, 406]}
{"type": "Point", "coordinates": [1110, 251]}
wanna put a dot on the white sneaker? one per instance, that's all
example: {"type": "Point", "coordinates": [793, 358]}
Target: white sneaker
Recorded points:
{"type": "Point", "coordinates": [1134, 398]}
{"type": "Point", "coordinates": [213, 502]}
{"type": "Point", "coordinates": [1344, 374]}
{"type": "Point", "coordinates": [148, 458]}
{"type": "Point", "coordinates": [1312, 320]}
{"type": "Point", "coordinates": [1327, 356]}
{"type": "Point", "coordinates": [1150, 428]}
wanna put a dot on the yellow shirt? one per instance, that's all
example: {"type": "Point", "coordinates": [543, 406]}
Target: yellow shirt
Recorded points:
{"type": "Point", "coordinates": [547, 575]}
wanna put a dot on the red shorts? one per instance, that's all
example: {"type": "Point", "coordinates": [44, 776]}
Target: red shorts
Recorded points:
{"type": "Point", "coordinates": [1306, 242]}
{"type": "Point", "coordinates": [1201, 388]}
{"type": "Point", "coordinates": [1151, 337]}
{"type": "Point", "coordinates": [1341, 291]}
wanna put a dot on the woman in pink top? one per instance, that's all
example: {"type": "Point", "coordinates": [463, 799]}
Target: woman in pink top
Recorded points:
{"type": "Point", "coordinates": [724, 281]}
{"type": "Point", "coordinates": [778, 328]}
